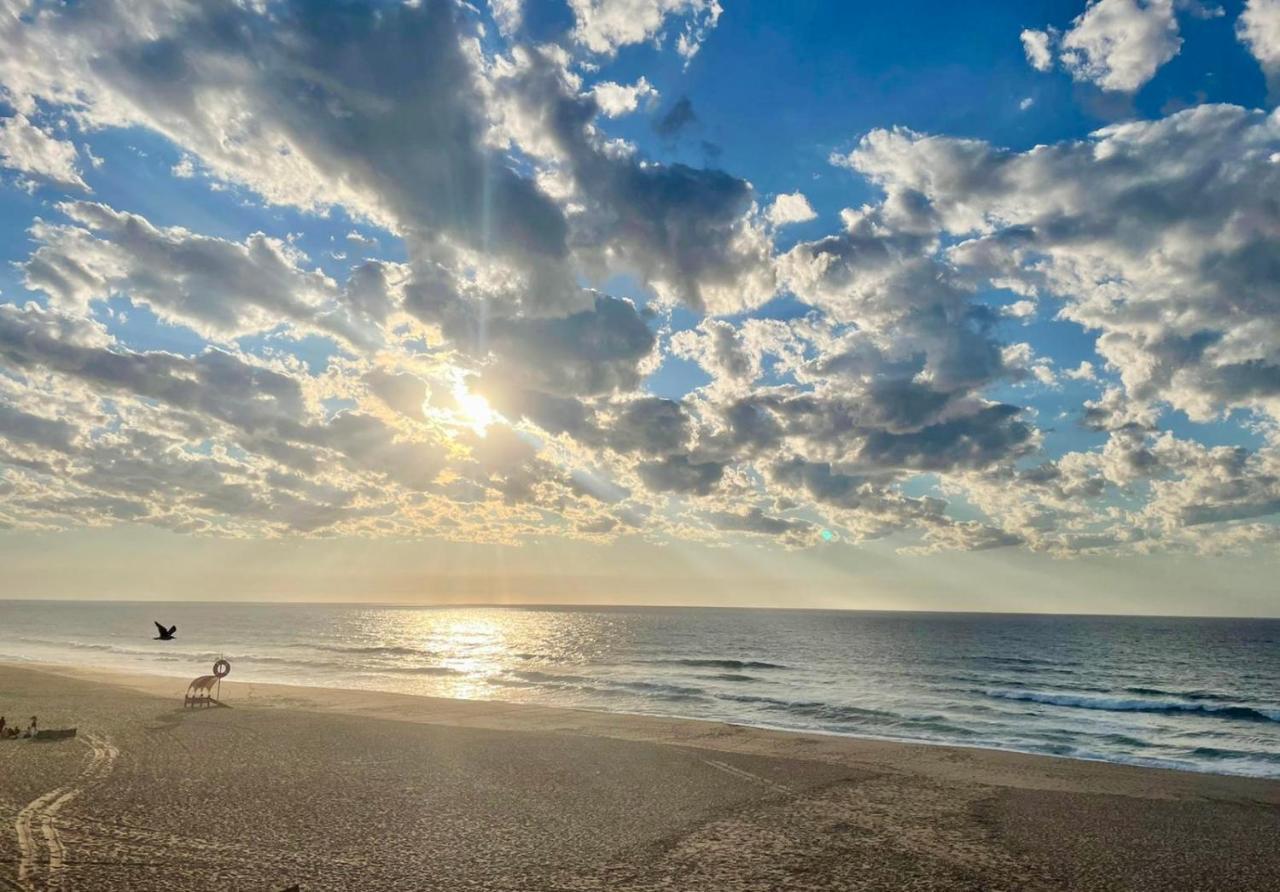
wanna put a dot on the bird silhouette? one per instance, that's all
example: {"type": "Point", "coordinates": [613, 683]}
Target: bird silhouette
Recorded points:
{"type": "Point", "coordinates": [165, 634]}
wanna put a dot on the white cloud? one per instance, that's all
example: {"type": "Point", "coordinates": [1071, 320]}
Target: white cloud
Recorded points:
{"type": "Point", "coordinates": [1259, 28]}
{"type": "Point", "coordinates": [603, 26]}
{"type": "Point", "coordinates": [616, 100]}
{"type": "Point", "coordinates": [1022, 309]}
{"type": "Point", "coordinates": [1026, 103]}
{"type": "Point", "coordinates": [1036, 45]}
{"type": "Point", "coordinates": [1117, 45]}
{"type": "Point", "coordinates": [508, 14]}
{"type": "Point", "coordinates": [1082, 372]}
{"type": "Point", "coordinates": [790, 208]}
{"type": "Point", "coordinates": [485, 394]}
{"type": "Point", "coordinates": [220, 289]}
{"type": "Point", "coordinates": [1160, 235]}
{"type": "Point", "coordinates": [30, 150]}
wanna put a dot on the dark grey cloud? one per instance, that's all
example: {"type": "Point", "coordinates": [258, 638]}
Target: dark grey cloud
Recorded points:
{"type": "Point", "coordinates": [755, 520]}
{"type": "Point", "coordinates": [681, 473]}
{"type": "Point", "coordinates": [670, 123]}
{"type": "Point", "coordinates": [988, 435]}
{"type": "Point", "coordinates": [685, 229]}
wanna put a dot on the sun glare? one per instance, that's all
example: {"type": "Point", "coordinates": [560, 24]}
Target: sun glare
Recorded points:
{"type": "Point", "coordinates": [473, 410]}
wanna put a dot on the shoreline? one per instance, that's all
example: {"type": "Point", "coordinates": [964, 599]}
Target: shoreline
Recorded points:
{"type": "Point", "coordinates": [308, 697]}
{"type": "Point", "coordinates": [373, 790]}
{"type": "Point", "coordinates": [494, 714]}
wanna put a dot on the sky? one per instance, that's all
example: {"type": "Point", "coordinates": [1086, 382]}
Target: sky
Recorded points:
{"type": "Point", "coordinates": [642, 301]}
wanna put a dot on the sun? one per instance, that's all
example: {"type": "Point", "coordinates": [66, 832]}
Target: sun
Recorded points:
{"type": "Point", "coordinates": [473, 410]}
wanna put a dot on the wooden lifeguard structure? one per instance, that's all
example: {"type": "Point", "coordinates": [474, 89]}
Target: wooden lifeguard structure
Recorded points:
{"type": "Point", "coordinates": [205, 690]}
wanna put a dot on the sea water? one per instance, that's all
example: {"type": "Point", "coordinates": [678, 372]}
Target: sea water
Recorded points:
{"type": "Point", "coordinates": [1192, 694]}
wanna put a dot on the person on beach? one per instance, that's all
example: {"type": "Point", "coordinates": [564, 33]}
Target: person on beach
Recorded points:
{"type": "Point", "coordinates": [1, 726]}
{"type": "Point", "coordinates": [31, 731]}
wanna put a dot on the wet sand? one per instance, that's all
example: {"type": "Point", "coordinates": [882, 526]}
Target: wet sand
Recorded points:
{"type": "Point", "coordinates": [359, 790]}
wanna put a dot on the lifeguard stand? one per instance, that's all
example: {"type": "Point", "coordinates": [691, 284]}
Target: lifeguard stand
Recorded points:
{"type": "Point", "coordinates": [205, 690]}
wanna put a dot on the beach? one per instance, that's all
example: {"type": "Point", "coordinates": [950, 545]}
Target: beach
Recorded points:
{"type": "Point", "coordinates": [334, 789]}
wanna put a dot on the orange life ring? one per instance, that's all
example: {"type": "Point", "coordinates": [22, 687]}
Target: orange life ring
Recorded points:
{"type": "Point", "coordinates": [222, 668]}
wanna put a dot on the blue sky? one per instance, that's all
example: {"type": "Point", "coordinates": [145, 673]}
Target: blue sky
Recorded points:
{"type": "Point", "coordinates": [813, 281]}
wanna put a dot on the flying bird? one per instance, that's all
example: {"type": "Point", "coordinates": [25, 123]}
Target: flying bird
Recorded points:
{"type": "Point", "coordinates": [165, 634]}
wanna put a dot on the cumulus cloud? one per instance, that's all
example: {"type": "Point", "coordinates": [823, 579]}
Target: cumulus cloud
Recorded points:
{"type": "Point", "coordinates": [1156, 234]}
{"type": "Point", "coordinates": [790, 208]}
{"type": "Point", "coordinates": [28, 149]}
{"type": "Point", "coordinates": [508, 14]}
{"type": "Point", "coordinates": [1083, 372]}
{"type": "Point", "coordinates": [1259, 29]}
{"type": "Point", "coordinates": [1116, 45]}
{"type": "Point", "coordinates": [481, 388]}
{"type": "Point", "coordinates": [283, 125]}
{"type": "Point", "coordinates": [1036, 44]}
{"type": "Point", "coordinates": [604, 26]}
{"type": "Point", "coordinates": [616, 100]}
{"type": "Point", "coordinates": [692, 233]}
{"type": "Point", "coordinates": [219, 288]}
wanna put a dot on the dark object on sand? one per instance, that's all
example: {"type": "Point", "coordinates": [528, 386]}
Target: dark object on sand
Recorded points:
{"type": "Point", "coordinates": [201, 690]}
{"type": "Point", "coordinates": [55, 734]}
{"type": "Point", "coordinates": [165, 634]}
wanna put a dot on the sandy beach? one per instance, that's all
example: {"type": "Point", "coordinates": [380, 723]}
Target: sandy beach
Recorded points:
{"type": "Point", "coordinates": [360, 790]}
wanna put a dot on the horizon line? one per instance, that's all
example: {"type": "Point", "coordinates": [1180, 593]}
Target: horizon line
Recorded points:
{"type": "Point", "coordinates": [412, 605]}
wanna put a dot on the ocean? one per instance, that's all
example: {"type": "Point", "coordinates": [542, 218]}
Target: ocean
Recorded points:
{"type": "Point", "coordinates": [1190, 694]}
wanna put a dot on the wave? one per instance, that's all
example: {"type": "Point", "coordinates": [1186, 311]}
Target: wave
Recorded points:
{"type": "Point", "coordinates": [166, 654]}
{"type": "Point", "coordinates": [1185, 695]}
{"type": "Point", "coordinates": [654, 686]}
{"type": "Point", "coordinates": [817, 709]}
{"type": "Point", "coordinates": [720, 664]}
{"type": "Point", "coordinates": [1166, 707]}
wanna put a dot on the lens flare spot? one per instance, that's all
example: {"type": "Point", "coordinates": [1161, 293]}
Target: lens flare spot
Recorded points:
{"type": "Point", "coordinates": [473, 410]}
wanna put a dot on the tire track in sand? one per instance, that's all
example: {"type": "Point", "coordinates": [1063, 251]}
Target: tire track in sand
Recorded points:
{"type": "Point", "coordinates": [36, 824]}
{"type": "Point", "coordinates": [748, 776]}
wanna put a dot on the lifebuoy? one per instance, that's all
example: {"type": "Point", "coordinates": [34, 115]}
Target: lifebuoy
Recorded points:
{"type": "Point", "coordinates": [221, 668]}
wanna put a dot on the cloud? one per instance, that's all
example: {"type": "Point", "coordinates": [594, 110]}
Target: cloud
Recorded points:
{"type": "Point", "coordinates": [691, 233]}
{"type": "Point", "coordinates": [220, 289]}
{"type": "Point", "coordinates": [676, 119]}
{"type": "Point", "coordinates": [508, 14]}
{"type": "Point", "coordinates": [1021, 309]}
{"type": "Point", "coordinates": [604, 26]}
{"type": "Point", "coordinates": [1259, 29]}
{"type": "Point", "coordinates": [755, 520]}
{"type": "Point", "coordinates": [616, 100]}
{"type": "Point", "coordinates": [1116, 45]}
{"type": "Point", "coordinates": [1082, 372]}
{"type": "Point", "coordinates": [1036, 45]}
{"type": "Point", "coordinates": [790, 208]}
{"type": "Point", "coordinates": [26, 148]}
{"type": "Point", "coordinates": [1153, 233]}
{"type": "Point", "coordinates": [484, 390]}
{"type": "Point", "coordinates": [284, 125]}
{"type": "Point", "coordinates": [681, 474]}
